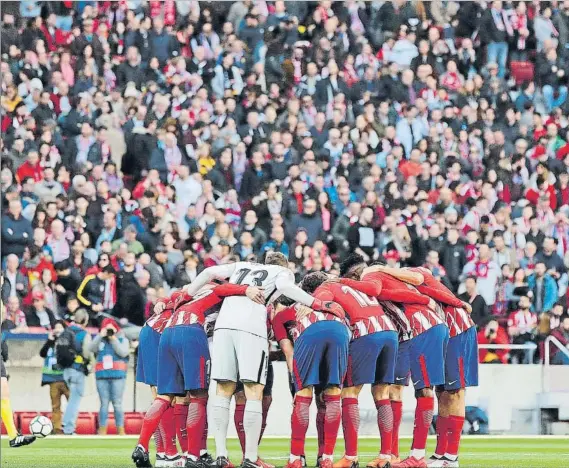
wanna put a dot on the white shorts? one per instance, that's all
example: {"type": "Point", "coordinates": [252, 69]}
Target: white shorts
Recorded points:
{"type": "Point", "coordinates": [239, 356]}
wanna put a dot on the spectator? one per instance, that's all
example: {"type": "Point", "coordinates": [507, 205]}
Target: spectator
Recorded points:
{"type": "Point", "coordinates": [52, 375]}
{"type": "Point", "coordinates": [361, 236]}
{"type": "Point", "coordinates": [522, 327]}
{"type": "Point", "coordinates": [453, 258]}
{"type": "Point", "coordinates": [97, 291]}
{"type": "Point", "coordinates": [132, 300]}
{"type": "Point", "coordinates": [17, 233]}
{"type": "Point", "coordinates": [487, 273]}
{"type": "Point", "coordinates": [309, 221]}
{"type": "Point", "coordinates": [39, 315]}
{"type": "Point", "coordinates": [15, 283]}
{"type": "Point", "coordinates": [74, 376]}
{"type": "Point", "coordinates": [544, 289]}
{"type": "Point", "coordinates": [479, 307]}
{"type": "Point", "coordinates": [14, 319]}
{"type": "Point", "coordinates": [561, 333]}
{"type": "Point", "coordinates": [111, 351]}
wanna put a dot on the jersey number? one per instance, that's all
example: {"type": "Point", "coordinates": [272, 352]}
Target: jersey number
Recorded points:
{"type": "Point", "coordinates": [258, 276]}
{"type": "Point", "coordinates": [363, 300]}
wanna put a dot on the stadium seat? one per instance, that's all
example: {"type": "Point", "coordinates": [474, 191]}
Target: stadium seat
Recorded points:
{"type": "Point", "coordinates": [86, 424]}
{"type": "Point", "coordinates": [111, 425]}
{"type": "Point", "coordinates": [522, 71]}
{"type": "Point", "coordinates": [133, 423]}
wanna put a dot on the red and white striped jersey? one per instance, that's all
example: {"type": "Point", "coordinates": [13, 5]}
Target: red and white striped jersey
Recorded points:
{"type": "Point", "coordinates": [525, 322]}
{"type": "Point", "coordinates": [370, 325]}
{"type": "Point", "coordinates": [286, 326]}
{"type": "Point", "coordinates": [358, 299]}
{"type": "Point", "coordinates": [458, 320]}
{"type": "Point", "coordinates": [159, 320]}
{"type": "Point", "coordinates": [398, 319]}
{"type": "Point", "coordinates": [423, 320]}
{"type": "Point", "coordinates": [204, 303]}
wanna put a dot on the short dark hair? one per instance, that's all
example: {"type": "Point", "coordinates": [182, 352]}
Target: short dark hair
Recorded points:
{"type": "Point", "coordinates": [349, 262]}
{"type": "Point", "coordinates": [311, 281]}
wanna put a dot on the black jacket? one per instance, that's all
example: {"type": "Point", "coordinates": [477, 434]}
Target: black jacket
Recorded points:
{"type": "Point", "coordinates": [453, 259]}
{"type": "Point", "coordinates": [131, 303]}
{"type": "Point", "coordinates": [479, 308]}
{"type": "Point", "coordinates": [17, 234]}
{"type": "Point", "coordinates": [253, 182]}
{"type": "Point", "coordinates": [126, 72]}
{"type": "Point", "coordinates": [33, 320]}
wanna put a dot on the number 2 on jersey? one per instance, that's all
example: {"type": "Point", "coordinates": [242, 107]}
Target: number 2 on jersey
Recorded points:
{"type": "Point", "coordinates": [258, 276]}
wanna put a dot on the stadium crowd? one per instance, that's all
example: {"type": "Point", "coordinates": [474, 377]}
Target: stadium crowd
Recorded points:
{"type": "Point", "coordinates": [143, 141]}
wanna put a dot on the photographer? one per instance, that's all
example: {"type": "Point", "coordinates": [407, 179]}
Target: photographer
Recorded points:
{"type": "Point", "coordinates": [111, 349]}
{"type": "Point", "coordinates": [492, 333]}
{"type": "Point", "coordinates": [52, 375]}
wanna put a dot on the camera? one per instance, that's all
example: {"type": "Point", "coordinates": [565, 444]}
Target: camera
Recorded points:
{"type": "Point", "coordinates": [110, 332]}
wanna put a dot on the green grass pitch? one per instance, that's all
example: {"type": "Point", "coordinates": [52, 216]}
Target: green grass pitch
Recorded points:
{"type": "Point", "coordinates": [115, 452]}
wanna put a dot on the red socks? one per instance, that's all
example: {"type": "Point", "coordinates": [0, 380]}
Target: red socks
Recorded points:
{"type": "Point", "coordinates": [181, 415]}
{"type": "Point", "coordinates": [299, 424]}
{"type": "Point", "coordinates": [385, 424]}
{"type": "Point", "coordinates": [423, 420]}
{"type": "Point", "coordinates": [331, 423]}
{"type": "Point", "coordinates": [152, 420]}
{"type": "Point", "coordinates": [397, 410]}
{"type": "Point", "coordinates": [442, 435]}
{"type": "Point", "coordinates": [267, 400]}
{"type": "Point", "coordinates": [195, 424]}
{"type": "Point", "coordinates": [238, 419]}
{"type": "Point", "coordinates": [158, 440]}
{"type": "Point", "coordinates": [320, 415]}
{"type": "Point", "coordinates": [169, 429]}
{"type": "Point", "coordinates": [454, 426]}
{"type": "Point", "coordinates": [350, 425]}
{"type": "Point", "coordinates": [203, 444]}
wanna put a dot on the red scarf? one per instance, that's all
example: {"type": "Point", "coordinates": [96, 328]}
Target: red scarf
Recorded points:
{"type": "Point", "coordinates": [520, 22]}
{"type": "Point", "coordinates": [481, 269]}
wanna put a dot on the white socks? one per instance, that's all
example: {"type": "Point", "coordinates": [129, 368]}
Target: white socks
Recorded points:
{"type": "Point", "coordinates": [220, 413]}
{"type": "Point", "coordinates": [252, 422]}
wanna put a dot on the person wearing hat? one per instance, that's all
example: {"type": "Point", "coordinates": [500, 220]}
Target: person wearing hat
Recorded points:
{"type": "Point", "coordinates": [39, 315]}
{"type": "Point", "coordinates": [111, 350]}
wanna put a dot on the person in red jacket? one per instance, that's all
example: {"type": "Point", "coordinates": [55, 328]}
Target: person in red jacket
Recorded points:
{"type": "Point", "coordinates": [31, 168]}
{"type": "Point", "coordinates": [544, 189]}
{"type": "Point", "coordinates": [492, 333]}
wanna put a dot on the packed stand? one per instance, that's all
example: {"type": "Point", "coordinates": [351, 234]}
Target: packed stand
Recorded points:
{"type": "Point", "coordinates": [143, 141]}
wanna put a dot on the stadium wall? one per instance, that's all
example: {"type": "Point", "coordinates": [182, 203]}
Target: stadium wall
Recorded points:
{"type": "Point", "coordinates": [509, 394]}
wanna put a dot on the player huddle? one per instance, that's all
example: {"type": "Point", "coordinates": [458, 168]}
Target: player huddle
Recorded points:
{"type": "Point", "coordinates": [373, 325]}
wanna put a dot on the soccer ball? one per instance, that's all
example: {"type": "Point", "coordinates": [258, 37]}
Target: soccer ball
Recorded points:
{"type": "Point", "coordinates": [41, 426]}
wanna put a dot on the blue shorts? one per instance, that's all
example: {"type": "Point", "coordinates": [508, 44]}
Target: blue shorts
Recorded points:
{"type": "Point", "coordinates": [147, 361]}
{"type": "Point", "coordinates": [372, 359]}
{"type": "Point", "coordinates": [321, 355]}
{"type": "Point", "coordinates": [402, 364]}
{"type": "Point", "coordinates": [461, 361]}
{"type": "Point", "coordinates": [183, 360]}
{"type": "Point", "coordinates": [427, 357]}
